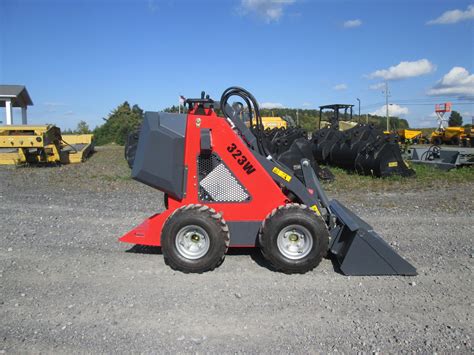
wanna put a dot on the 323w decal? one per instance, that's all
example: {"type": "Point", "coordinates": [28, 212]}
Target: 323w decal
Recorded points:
{"type": "Point", "coordinates": [241, 159]}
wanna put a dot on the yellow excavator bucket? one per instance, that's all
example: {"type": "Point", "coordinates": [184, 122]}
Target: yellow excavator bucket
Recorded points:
{"type": "Point", "coordinates": [75, 148]}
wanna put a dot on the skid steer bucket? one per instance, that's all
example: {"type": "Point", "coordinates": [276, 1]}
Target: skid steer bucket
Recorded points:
{"type": "Point", "coordinates": [359, 250]}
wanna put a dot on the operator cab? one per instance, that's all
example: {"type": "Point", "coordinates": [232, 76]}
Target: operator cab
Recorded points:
{"type": "Point", "coordinates": [339, 113]}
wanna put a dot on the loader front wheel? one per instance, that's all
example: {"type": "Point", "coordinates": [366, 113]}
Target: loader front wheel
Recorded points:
{"type": "Point", "coordinates": [194, 239]}
{"type": "Point", "coordinates": [293, 239]}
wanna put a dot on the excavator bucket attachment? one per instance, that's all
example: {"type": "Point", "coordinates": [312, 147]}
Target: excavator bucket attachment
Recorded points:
{"type": "Point", "coordinates": [364, 149]}
{"type": "Point", "coordinates": [360, 251]}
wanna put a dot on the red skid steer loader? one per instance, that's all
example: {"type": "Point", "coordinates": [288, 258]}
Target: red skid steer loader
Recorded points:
{"type": "Point", "coordinates": [222, 189]}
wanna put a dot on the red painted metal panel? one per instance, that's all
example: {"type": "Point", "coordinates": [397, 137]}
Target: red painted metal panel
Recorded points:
{"type": "Point", "coordinates": [265, 193]}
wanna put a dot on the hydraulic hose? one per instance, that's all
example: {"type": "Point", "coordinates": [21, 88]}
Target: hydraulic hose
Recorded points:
{"type": "Point", "coordinates": [252, 106]}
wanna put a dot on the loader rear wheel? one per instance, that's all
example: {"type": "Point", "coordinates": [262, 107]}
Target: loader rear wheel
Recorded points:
{"type": "Point", "coordinates": [293, 239]}
{"type": "Point", "coordinates": [194, 239]}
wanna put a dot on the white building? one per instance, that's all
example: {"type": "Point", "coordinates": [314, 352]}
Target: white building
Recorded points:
{"type": "Point", "coordinates": [12, 96]}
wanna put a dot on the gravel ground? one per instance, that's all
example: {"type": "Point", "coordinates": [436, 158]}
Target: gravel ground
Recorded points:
{"type": "Point", "coordinates": [68, 285]}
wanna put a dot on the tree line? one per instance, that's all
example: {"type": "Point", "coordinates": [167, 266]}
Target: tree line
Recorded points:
{"type": "Point", "coordinates": [126, 118]}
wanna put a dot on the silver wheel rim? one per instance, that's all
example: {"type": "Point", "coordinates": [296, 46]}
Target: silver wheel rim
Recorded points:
{"type": "Point", "coordinates": [294, 242]}
{"type": "Point", "coordinates": [192, 242]}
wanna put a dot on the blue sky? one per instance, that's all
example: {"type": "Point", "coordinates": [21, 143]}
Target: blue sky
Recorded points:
{"type": "Point", "coordinates": [80, 59]}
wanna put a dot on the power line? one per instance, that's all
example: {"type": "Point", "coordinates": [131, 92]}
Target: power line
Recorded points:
{"type": "Point", "coordinates": [429, 103]}
{"type": "Point", "coordinates": [415, 102]}
{"type": "Point", "coordinates": [437, 99]}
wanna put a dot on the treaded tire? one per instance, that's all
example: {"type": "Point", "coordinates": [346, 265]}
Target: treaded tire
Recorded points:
{"type": "Point", "coordinates": [211, 223]}
{"type": "Point", "coordinates": [131, 145]}
{"type": "Point", "coordinates": [277, 221]}
{"type": "Point", "coordinates": [437, 141]}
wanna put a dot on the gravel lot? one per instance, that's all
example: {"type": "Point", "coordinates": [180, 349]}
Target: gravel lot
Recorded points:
{"type": "Point", "coordinates": [68, 285]}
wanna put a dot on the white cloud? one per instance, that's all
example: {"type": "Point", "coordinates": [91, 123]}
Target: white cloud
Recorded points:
{"type": "Point", "coordinates": [405, 70]}
{"type": "Point", "coordinates": [271, 105]}
{"type": "Point", "coordinates": [352, 23]}
{"type": "Point", "coordinates": [453, 16]}
{"type": "Point", "coordinates": [457, 83]}
{"type": "Point", "coordinates": [377, 86]}
{"type": "Point", "coordinates": [152, 5]}
{"type": "Point", "coordinates": [393, 110]}
{"type": "Point", "coordinates": [340, 87]}
{"type": "Point", "coordinates": [269, 10]}
{"type": "Point", "coordinates": [307, 104]}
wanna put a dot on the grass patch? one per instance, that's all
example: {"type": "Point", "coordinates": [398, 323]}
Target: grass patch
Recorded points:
{"type": "Point", "coordinates": [109, 166]}
{"type": "Point", "coordinates": [426, 177]}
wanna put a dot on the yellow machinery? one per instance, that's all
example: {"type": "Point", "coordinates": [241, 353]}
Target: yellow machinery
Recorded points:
{"type": "Point", "coordinates": [343, 125]}
{"type": "Point", "coordinates": [444, 133]}
{"type": "Point", "coordinates": [268, 122]}
{"type": "Point", "coordinates": [42, 144]}
{"type": "Point", "coordinates": [274, 122]}
{"type": "Point", "coordinates": [29, 144]}
{"type": "Point", "coordinates": [410, 135]}
{"type": "Point", "coordinates": [468, 139]}
{"type": "Point", "coordinates": [75, 148]}
{"type": "Point", "coordinates": [448, 135]}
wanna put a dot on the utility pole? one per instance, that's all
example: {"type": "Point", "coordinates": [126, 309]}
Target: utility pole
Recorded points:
{"type": "Point", "coordinates": [297, 118]}
{"type": "Point", "coordinates": [386, 106]}
{"type": "Point", "coordinates": [359, 108]}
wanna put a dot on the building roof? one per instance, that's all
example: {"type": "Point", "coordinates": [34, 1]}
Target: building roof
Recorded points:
{"type": "Point", "coordinates": [335, 106]}
{"type": "Point", "coordinates": [17, 93]}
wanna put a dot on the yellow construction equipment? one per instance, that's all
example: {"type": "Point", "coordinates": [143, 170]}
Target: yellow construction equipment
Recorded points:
{"type": "Point", "coordinates": [343, 125]}
{"type": "Point", "coordinates": [75, 148]}
{"type": "Point", "coordinates": [444, 133]}
{"type": "Point", "coordinates": [274, 122]}
{"type": "Point", "coordinates": [468, 138]}
{"type": "Point", "coordinates": [410, 135]}
{"type": "Point", "coordinates": [448, 135]}
{"type": "Point", "coordinates": [24, 144]}
{"type": "Point", "coordinates": [268, 122]}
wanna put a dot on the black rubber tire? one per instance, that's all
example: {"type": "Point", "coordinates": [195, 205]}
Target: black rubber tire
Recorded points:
{"type": "Point", "coordinates": [131, 145]}
{"type": "Point", "coordinates": [437, 141]}
{"type": "Point", "coordinates": [287, 215]}
{"type": "Point", "coordinates": [215, 227]}
{"type": "Point", "coordinates": [455, 141]}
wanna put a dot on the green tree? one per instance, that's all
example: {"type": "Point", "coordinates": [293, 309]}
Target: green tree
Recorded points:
{"type": "Point", "coordinates": [172, 109]}
{"type": "Point", "coordinates": [82, 128]}
{"type": "Point", "coordinates": [119, 123]}
{"type": "Point", "coordinates": [455, 119]}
